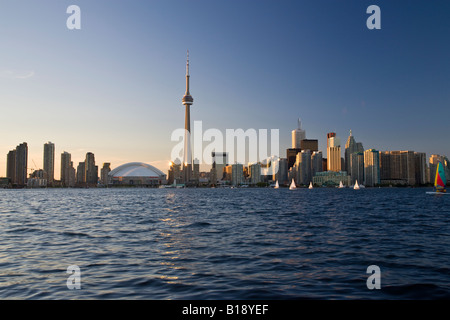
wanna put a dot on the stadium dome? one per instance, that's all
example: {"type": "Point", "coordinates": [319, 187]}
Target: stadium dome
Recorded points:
{"type": "Point", "coordinates": [136, 173]}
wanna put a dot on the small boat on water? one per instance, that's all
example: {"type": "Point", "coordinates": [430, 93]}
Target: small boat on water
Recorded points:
{"type": "Point", "coordinates": [341, 185]}
{"type": "Point", "coordinates": [439, 181]}
{"type": "Point", "coordinates": [311, 185]}
{"type": "Point", "coordinates": [292, 186]}
{"type": "Point", "coordinates": [356, 186]}
{"type": "Point", "coordinates": [277, 186]}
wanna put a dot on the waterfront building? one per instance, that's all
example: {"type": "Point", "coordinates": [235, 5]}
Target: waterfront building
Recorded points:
{"type": "Point", "coordinates": [219, 162]}
{"type": "Point", "coordinates": [334, 161]}
{"type": "Point", "coordinates": [91, 169]}
{"type": "Point", "coordinates": [281, 174]}
{"type": "Point", "coordinates": [316, 162]}
{"type": "Point", "coordinates": [420, 161]}
{"type": "Point", "coordinates": [20, 166]}
{"type": "Point", "coordinates": [356, 167]}
{"type": "Point", "coordinates": [398, 167]}
{"type": "Point", "coordinates": [11, 166]}
{"type": "Point", "coordinates": [331, 178]}
{"type": "Point", "coordinates": [104, 173]}
{"type": "Point", "coordinates": [303, 166]}
{"type": "Point", "coordinates": [175, 174]}
{"type": "Point", "coordinates": [298, 135]}
{"type": "Point", "coordinates": [255, 173]}
{"type": "Point", "coordinates": [237, 174]}
{"type": "Point", "coordinates": [351, 147]}
{"type": "Point", "coordinates": [49, 162]}
{"type": "Point", "coordinates": [371, 168]}
{"type": "Point", "coordinates": [66, 164]}
{"type": "Point", "coordinates": [81, 173]}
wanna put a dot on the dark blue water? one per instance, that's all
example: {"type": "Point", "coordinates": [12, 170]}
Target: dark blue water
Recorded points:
{"type": "Point", "coordinates": [224, 243]}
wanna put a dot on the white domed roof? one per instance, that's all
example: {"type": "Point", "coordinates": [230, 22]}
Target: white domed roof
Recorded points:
{"type": "Point", "coordinates": [136, 169]}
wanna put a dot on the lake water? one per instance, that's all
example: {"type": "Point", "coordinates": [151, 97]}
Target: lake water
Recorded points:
{"type": "Point", "coordinates": [224, 243]}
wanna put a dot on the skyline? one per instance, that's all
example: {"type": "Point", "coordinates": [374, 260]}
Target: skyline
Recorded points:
{"type": "Point", "coordinates": [324, 66]}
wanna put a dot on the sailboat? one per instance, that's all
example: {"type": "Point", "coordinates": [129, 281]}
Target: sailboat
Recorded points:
{"type": "Point", "coordinates": [341, 185]}
{"type": "Point", "coordinates": [292, 186]}
{"type": "Point", "coordinates": [356, 186]}
{"type": "Point", "coordinates": [439, 181]}
{"type": "Point", "coordinates": [310, 185]}
{"type": "Point", "coordinates": [277, 185]}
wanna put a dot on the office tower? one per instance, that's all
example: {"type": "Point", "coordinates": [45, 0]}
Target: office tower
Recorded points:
{"type": "Point", "coordinates": [237, 174]}
{"type": "Point", "coordinates": [21, 165]}
{"type": "Point", "coordinates": [81, 173]}
{"type": "Point", "coordinates": [298, 135]}
{"type": "Point", "coordinates": [420, 160]}
{"type": "Point", "coordinates": [106, 169]}
{"type": "Point", "coordinates": [66, 161]}
{"type": "Point", "coordinates": [11, 166]}
{"type": "Point", "coordinates": [356, 167]}
{"type": "Point", "coordinates": [175, 174]}
{"type": "Point", "coordinates": [49, 162]}
{"type": "Point", "coordinates": [316, 163]}
{"type": "Point", "coordinates": [310, 144]}
{"type": "Point", "coordinates": [219, 162]}
{"type": "Point", "coordinates": [371, 167]}
{"type": "Point", "coordinates": [350, 148]}
{"type": "Point", "coordinates": [333, 153]}
{"type": "Point", "coordinates": [255, 173]}
{"type": "Point", "coordinates": [303, 165]}
{"type": "Point", "coordinates": [291, 155]}
{"type": "Point", "coordinates": [280, 175]}
{"type": "Point", "coordinates": [91, 169]}
{"type": "Point", "coordinates": [187, 101]}
{"type": "Point", "coordinates": [196, 170]}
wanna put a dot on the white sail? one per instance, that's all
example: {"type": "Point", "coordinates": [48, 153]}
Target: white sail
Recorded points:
{"type": "Point", "coordinates": [341, 185]}
{"type": "Point", "coordinates": [310, 185]}
{"type": "Point", "coordinates": [292, 186]}
{"type": "Point", "coordinates": [356, 186]}
{"type": "Point", "coordinates": [277, 185]}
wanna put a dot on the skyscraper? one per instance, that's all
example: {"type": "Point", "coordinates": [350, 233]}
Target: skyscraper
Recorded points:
{"type": "Point", "coordinates": [91, 169]}
{"type": "Point", "coordinates": [11, 166]}
{"type": "Point", "coordinates": [356, 167]}
{"type": "Point", "coordinates": [298, 135]}
{"type": "Point", "coordinates": [66, 161]}
{"type": "Point", "coordinates": [49, 162]}
{"type": "Point", "coordinates": [316, 163]}
{"type": "Point", "coordinates": [104, 173]}
{"type": "Point", "coordinates": [371, 167]}
{"type": "Point", "coordinates": [304, 167]}
{"type": "Point", "coordinates": [187, 101]}
{"type": "Point", "coordinates": [219, 162]}
{"type": "Point", "coordinates": [333, 153]}
{"type": "Point", "coordinates": [350, 147]}
{"type": "Point", "coordinates": [21, 165]}
{"type": "Point", "coordinates": [81, 173]}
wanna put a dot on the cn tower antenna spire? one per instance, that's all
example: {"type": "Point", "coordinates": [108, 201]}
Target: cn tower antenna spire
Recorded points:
{"type": "Point", "coordinates": [187, 64]}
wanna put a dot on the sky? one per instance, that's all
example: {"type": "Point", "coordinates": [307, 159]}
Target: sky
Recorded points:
{"type": "Point", "coordinates": [114, 87]}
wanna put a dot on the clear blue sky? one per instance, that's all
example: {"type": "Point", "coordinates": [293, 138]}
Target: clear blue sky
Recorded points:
{"type": "Point", "coordinates": [115, 86]}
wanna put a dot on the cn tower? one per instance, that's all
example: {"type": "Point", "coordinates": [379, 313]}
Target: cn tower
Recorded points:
{"type": "Point", "coordinates": [187, 101]}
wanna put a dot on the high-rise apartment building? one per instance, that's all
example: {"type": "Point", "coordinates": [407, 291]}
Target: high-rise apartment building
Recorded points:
{"type": "Point", "coordinates": [49, 162]}
{"type": "Point", "coordinates": [316, 163]}
{"type": "Point", "coordinates": [66, 164]}
{"type": "Point", "coordinates": [11, 166]}
{"type": "Point", "coordinates": [91, 169]}
{"type": "Point", "coordinates": [371, 167]}
{"type": "Point", "coordinates": [104, 172]}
